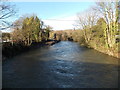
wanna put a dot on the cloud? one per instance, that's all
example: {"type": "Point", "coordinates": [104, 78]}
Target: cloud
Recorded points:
{"type": "Point", "coordinates": [7, 30]}
{"type": "Point", "coordinates": [62, 23]}
{"type": "Point", "coordinates": [62, 0]}
{"type": "Point", "coordinates": [52, 0]}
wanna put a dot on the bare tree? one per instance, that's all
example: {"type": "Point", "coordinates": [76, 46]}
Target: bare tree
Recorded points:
{"type": "Point", "coordinates": [109, 11]}
{"type": "Point", "coordinates": [86, 22]}
{"type": "Point", "coordinates": [6, 11]}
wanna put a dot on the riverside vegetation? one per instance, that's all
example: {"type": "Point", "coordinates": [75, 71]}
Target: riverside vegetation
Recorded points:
{"type": "Point", "coordinates": [99, 29]}
{"type": "Point", "coordinates": [99, 32]}
{"type": "Point", "coordinates": [29, 32]}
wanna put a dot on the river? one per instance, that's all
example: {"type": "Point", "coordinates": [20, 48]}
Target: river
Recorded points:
{"type": "Point", "coordinates": [62, 65]}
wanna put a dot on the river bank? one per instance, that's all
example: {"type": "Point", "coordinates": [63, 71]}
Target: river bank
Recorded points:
{"type": "Point", "coordinates": [9, 50]}
{"type": "Point", "coordinates": [97, 41]}
{"type": "Point", "coordinates": [114, 52]}
{"type": "Point", "coordinates": [102, 49]}
{"type": "Point", "coordinates": [108, 52]}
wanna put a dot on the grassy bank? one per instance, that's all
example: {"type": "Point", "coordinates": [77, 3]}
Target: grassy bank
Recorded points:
{"type": "Point", "coordinates": [110, 52]}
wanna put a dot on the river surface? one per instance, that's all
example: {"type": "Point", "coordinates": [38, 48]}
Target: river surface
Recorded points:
{"type": "Point", "coordinates": [62, 65]}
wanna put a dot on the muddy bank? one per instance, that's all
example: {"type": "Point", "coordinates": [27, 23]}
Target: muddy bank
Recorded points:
{"type": "Point", "coordinates": [9, 50]}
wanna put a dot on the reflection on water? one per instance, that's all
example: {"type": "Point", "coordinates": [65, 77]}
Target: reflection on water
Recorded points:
{"type": "Point", "coordinates": [63, 65]}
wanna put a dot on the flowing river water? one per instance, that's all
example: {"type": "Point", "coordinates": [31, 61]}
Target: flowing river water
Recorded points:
{"type": "Point", "coordinates": [62, 65]}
